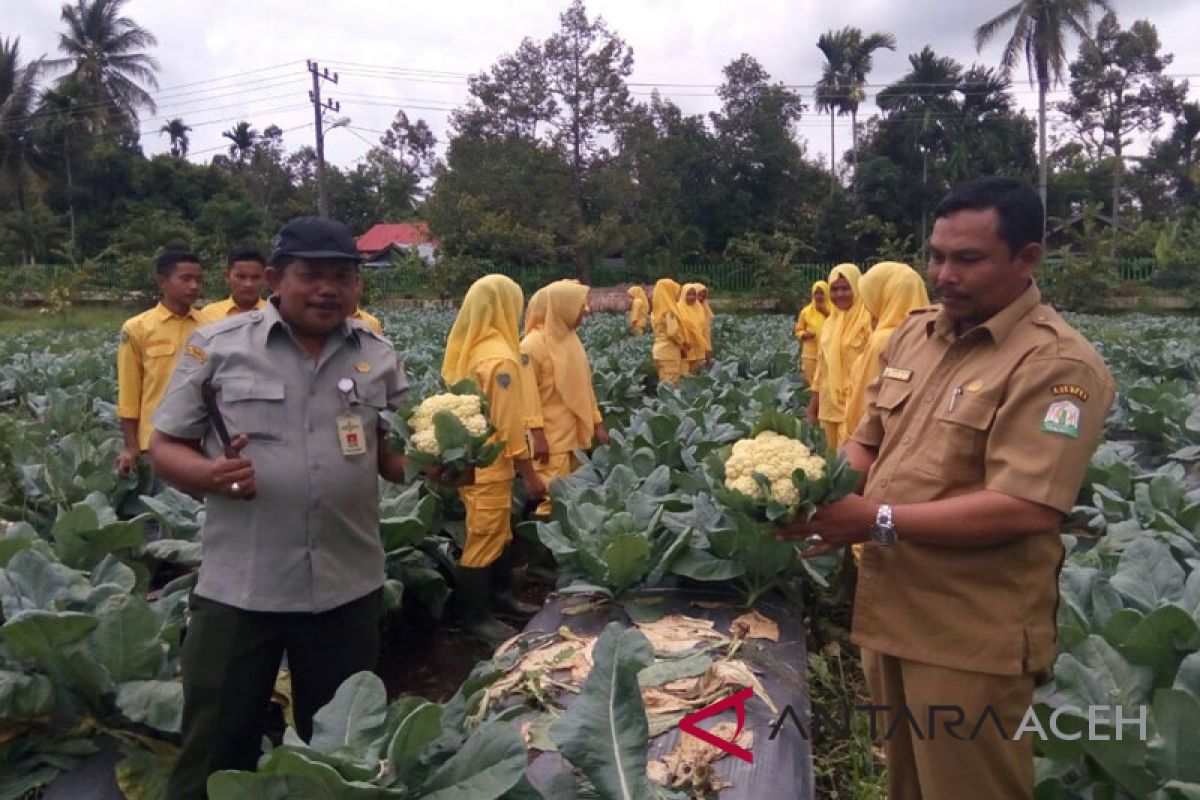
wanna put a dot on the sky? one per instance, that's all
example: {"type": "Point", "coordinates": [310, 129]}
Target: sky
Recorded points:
{"type": "Point", "coordinates": [228, 60]}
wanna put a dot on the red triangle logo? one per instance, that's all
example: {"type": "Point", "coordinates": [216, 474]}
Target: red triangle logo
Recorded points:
{"type": "Point", "coordinates": [688, 724]}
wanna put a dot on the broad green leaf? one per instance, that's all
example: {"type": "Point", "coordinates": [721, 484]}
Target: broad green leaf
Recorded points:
{"type": "Point", "coordinates": [33, 581]}
{"type": "Point", "coordinates": [604, 731]}
{"type": "Point", "coordinates": [114, 572]}
{"type": "Point", "coordinates": [41, 634]}
{"type": "Point", "coordinates": [175, 551]}
{"type": "Point", "coordinates": [353, 719]}
{"type": "Point", "coordinates": [25, 696]}
{"type": "Point", "coordinates": [418, 724]}
{"type": "Point", "coordinates": [158, 704]}
{"type": "Point", "coordinates": [626, 560]}
{"type": "Point", "coordinates": [1187, 678]}
{"type": "Point", "coordinates": [143, 775]}
{"type": "Point", "coordinates": [663, 672]}
{"type": "Point", "coordinates": [700, 565]}
{"type": "Point", "coordinates": [1148, 575]}
{"type": "Point", "coordinates": [1095, 674]}
{"type": "Point", "coordinates": [1160, 640]}
{"type": "Point", "coordinates": [489, 763]}
{"type": "Point", "coordinates": [1174, 751]}
{"type": "Point", "coordinates": [126, 639]}
{"type": "Point", "coordinates": [1121, 626]}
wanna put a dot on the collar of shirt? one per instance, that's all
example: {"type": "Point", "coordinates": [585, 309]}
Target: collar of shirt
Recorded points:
{"type": "Point", "coordinates": [231, 305]}
{"type": "Point", "coordinates": [998, 327]}
{"type": "Point", "coordinates": [162, 313]}
{"type": "Point", "coordinates": [275, 321]}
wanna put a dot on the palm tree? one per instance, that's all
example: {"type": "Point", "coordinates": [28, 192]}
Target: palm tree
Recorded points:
{"type": "Point", "coordinates": [243, 138]}
{"type": "Point", "coordinates": [17, 95]}
{"type": "Point", "coordinates": [61, 127]}
{"type": "Point", "coordinates": [103, 53]}
{"type": "Point", "coordinates": [858, 64]}
{"type": "Point", "coordinates": [832, 92]}
{"type": "Point", "coordinates": [178, 131]}
{"type": "Point", "coordinates": [1039, 33]}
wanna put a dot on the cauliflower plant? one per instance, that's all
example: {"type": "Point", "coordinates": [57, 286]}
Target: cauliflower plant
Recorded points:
{"type": "Point", "coordinates": [468, 408]}
{"type": "Point", "coordinates": [775, 457]}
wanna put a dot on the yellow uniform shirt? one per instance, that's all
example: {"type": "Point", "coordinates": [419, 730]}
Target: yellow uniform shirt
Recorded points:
{"type": "Point", "coordinates": [498, 378]}
{"type": "Point", "coordinates": [1016, 405]}
{"type": "Point", "coordinates": [370, 319]}
{"type": "Point", "coordinates": [668, 338]}
{"type": "Point", "coordinates": [221, 309]}
{"type": "Point", "coordinates": [150, 346]}
{"type": "Point", "coordinates": [562, 427]}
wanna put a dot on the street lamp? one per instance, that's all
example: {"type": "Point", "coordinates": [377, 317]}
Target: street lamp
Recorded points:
{"type": "Point", "coordinates": [322, 202]}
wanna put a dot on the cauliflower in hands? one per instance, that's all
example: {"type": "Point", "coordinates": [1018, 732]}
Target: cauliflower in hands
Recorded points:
{"type": "Point", "coordinates": [775, 457]}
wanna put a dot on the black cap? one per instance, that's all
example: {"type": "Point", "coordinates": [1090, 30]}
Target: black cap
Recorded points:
{"type": "Point", "coordinates": [314, 237]}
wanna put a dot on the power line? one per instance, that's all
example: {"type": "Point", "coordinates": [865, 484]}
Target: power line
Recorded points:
{"type": "Point", "coordinates": [225, 147]}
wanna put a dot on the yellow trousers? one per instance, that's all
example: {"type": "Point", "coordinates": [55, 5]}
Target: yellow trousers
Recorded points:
{"type": "Point", "coordinates": [489, 521]}
{"type": "Point", "coordinates": [834, 433]}
{"type": "Point", "coordinates": [936, 765]}
{"type": "Point", "coordinates": [693, 366]}
{"type": "Point", "coordinates": [637, 329]}
{"type": "Point", "coordinates": [808, 368]}
{"type": "Point", "coordinates": [669, 371]}
{"type": "Point", "coordinates": [560, 465]}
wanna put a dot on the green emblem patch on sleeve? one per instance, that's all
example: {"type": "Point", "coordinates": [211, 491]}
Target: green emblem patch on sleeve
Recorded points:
{"type": "Point", "coordinates": [1062, 418]}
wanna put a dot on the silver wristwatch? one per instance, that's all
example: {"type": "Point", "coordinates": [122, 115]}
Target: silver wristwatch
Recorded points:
{"type": "Point", "coordinates": [884, 530]}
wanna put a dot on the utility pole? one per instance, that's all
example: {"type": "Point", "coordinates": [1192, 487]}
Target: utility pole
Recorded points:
{"type": "Point", "coordinates": [318, 109]}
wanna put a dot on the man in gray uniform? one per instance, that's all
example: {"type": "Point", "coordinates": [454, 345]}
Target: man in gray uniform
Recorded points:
{"type": "Point", "coordinates": [292, 556]}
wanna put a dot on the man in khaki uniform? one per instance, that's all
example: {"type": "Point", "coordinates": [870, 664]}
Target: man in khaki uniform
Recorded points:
{"type": "Point", "coordinates": [293, 561]}
{"type": "Point", "coordinates": [149, 349]}
{"type": "Point", "coordinates": [976, 440]}
{"type": "Point", "coordinates": [246, 274]}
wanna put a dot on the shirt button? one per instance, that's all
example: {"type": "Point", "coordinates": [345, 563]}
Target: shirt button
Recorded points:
{"type": "Point", "coordinates": [906, 440]}
{"type": "Point", "coordinates": [312, 390]}
{"type": "Point", "coordinates": [311, 427]}
{"type": "Point", "coordinates": [927, 400]}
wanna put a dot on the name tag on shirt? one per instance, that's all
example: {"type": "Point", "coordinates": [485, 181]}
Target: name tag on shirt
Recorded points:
{"type": "Point", "coordinates": [351, 435]}
{"type": "Point", "coordinates": [897, 374]}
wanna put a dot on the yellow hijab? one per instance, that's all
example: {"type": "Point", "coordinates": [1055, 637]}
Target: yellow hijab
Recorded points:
{"type": "Point", "coordinates": [890, 292]}
{"type": "Point", "coordinates": [666, 294]}
{"type": "Point", "coordinates": [535, 311]}
{"type": "Point", "coordinates": [703, 301]}
{"type": "Point", "coordinates": [814, 319]}
{"type": "Point", "coordinates": [837, 333]}
{"type": "Point", "coordinates": [638, 314]}
{"type": "Point", "coordinates": [572, 374]}
{"type": "Point", "coordinates": [485, 328]}
{"type": "Point", "coordinates": [691, 318]}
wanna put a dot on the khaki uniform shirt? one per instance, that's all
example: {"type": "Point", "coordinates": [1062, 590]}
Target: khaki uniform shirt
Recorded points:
{"type": "Point", "coordinates": [225, 308]}
{"type": "Point", "coordinates": [1016, 405]}
{"type": "Point", "coordinates": [146, 356]}
{"type": "Point", "coordinates": [309, 541]}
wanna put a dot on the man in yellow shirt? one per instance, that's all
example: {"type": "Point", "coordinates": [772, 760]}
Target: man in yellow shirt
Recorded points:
{"type": "Point", "coordinates": [367, 318]}
{"type": "Point", "coordinates": [150, 346]}
{"type": "Point", "coordinates": [246, 274]}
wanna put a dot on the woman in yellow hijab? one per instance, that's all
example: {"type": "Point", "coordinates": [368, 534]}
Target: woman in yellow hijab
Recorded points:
{"type": "Point", "coordinates": [564, 382]}
{"type": "Point", "coordinates": [843, 339]}
{"type": "Point", "coordinates": [709, 316]}
{"type": "Point", "coordinates": [890, 291]}
{"type": "Point", "coordinates": [639, 310]}
{"type": "Point", "coordinates": [691, 317]}
{"type": "Point", "coordinates": [808, 328]}
{"type": "Point", "coordinates": [483, 347]}
{"type": "Point", "coordinates": [670, 346]}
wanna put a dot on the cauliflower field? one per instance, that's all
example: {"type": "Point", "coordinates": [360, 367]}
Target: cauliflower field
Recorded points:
{"type": "Point", "coordinates": [93, 612]}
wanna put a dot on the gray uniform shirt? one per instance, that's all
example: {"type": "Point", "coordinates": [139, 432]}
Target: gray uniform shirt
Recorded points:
{"type": "Point", "coordinates": [310, 539]}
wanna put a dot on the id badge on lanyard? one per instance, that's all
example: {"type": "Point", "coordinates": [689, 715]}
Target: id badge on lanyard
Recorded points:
{"type": "Point", "coordinates": [351, 434]}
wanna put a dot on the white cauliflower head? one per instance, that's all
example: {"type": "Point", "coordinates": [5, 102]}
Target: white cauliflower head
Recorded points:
{"type": "Point", "coordinates": [775, 458]}
{"type": "Point", "coordinates": [467, 407]}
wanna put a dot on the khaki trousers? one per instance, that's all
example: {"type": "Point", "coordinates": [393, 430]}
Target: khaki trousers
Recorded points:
{"type": "Point", "coordinates": [936, 765]}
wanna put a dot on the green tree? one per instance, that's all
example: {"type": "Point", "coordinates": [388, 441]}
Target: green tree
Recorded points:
{"type": "Point", "coordinates": [1119, 88]}
{"type": "Point", "coordinates": [242, 138]}
{"type": "Point", "coordinates": [849, 57]}
{"type": "Point", "coordinates": [1039, 34]}
{"type": "Point", "coordinates": [178, 132]}
{"type": "Point", "coordinates": [832, 93]}
{"type": "Point", "coordinates": [18, 93]}
{"type": "Point", "coordinates": [103, 53]}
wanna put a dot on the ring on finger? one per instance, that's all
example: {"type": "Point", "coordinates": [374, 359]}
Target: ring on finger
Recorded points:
{"type": "Point", "coordinates": [235, 487]}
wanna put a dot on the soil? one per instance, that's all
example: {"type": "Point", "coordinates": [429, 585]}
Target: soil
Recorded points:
{"type": "Point", "coordinates": [430, 658]}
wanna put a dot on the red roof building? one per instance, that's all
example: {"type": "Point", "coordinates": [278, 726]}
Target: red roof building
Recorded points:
{"type": "Point", "coordinates": [379, 242]}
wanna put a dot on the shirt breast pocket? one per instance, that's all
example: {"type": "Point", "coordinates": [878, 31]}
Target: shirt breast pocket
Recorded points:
{"type": "Point", "coordinates": [253, 406]}
{"type": "Point", "coordinates": [891, 400]}
{"type": "Point", "coordinates": [160, 350]}
{"type": "Point", "coordinates": [960, 449]}
{"type": "Point", "coordinates": [374, 403]}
